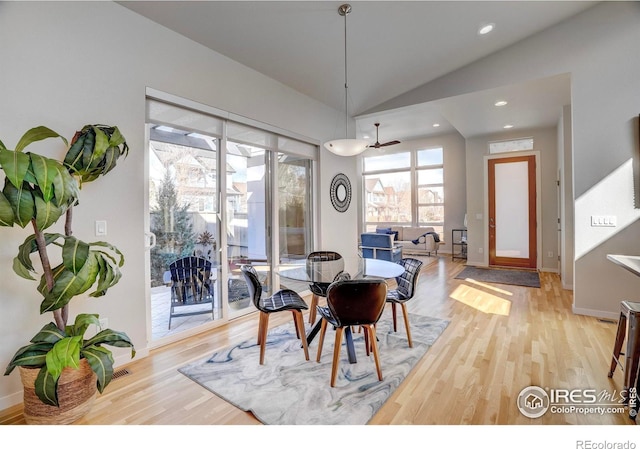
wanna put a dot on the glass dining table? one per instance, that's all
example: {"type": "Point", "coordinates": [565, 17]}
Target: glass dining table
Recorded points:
{"type": "Point", "coordinates": [324, 272]}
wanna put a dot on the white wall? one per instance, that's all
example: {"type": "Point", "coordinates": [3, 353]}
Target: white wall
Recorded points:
{"type": "Point", "coordinates": [67, 64]}
{"type": "Point", "coordinates": [565, 159]}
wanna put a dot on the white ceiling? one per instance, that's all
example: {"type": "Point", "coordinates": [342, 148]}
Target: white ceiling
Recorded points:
{"type": "Point", "coordinates": [393, 47]}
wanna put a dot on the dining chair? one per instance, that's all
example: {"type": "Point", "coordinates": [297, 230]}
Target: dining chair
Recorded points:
{"type": "Point", "coordinates": [319, 289]}
{"type": "Point", "coordinates": [282, 300]}
{"type": "Point", "coordinates": [404, 291]}
{"type": "Point", "coordinates": [353, 303]}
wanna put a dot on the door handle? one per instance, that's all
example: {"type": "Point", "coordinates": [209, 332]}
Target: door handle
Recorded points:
{"type": "Point", "coordinates": [151, 240]}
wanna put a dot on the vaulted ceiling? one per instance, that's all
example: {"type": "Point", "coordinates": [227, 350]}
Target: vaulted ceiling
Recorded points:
{"type": "Point", "coordinates": [393, 47]}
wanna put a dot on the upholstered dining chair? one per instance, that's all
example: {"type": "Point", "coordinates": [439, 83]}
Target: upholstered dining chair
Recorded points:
{"type": "Point", "coordinates": [282, 300]}
{"type": "Point", "coordinates": [319, 289]}
{"type": "Point", "coordinates": [405, 290]}
{"type": "Point", "coordinates": [353, 303]}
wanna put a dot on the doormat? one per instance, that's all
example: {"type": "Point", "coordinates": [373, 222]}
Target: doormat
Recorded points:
{"type": "Point", "coordinates": [501, 276]}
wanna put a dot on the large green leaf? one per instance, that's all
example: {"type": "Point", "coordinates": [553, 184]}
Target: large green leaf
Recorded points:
{"type": "Point", "coordinates": [48, 334]}
{"type": "Point", "coordinates": [21, 201]}
{"type": "Point", "coordinates": [111, 338]}
{"type": "Point", "coordinates": [36, 134]}
{"type": "Point", "coordinates": [101, 362]}
{"type": "Point", "coordinates": [82, 323]}
{"type": "Point", "coordinates": [69, 284]}
{"type": "Point", "coordinates": [65, 353]}
{"type": "Point", "coordinates": [113, 249]}
{"type": "Point", "coordinates": [47, 213]}
{"type": "Point", "coordinates": [44, 173]}
{"type": "Point", "coordinates": [108, 277]}
{"type": "Point", "coordinates": [6, 211]}
{"type": "Point", "coordinates": [22, 262]}
{"type": "Point", "coordinates": [15, 165]}
{"type": "Point", "coordinates": [74, 254]}
{"type": "Point", "coordinates": [33, 355]}
{"type": "Point", "coordinates": [116, 139]}
{"type": "Point", "coordinates": [74, 154]}
{"type": "Point", "coordinates": [99, 149]}
{"type": "Point", "coordinates": [65, 186]}
{"type": "Point", "coordinates": [46, 387]}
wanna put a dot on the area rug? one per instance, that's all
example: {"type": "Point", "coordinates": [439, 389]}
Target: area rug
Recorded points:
{"type": "Point", "coordinates": [501, 276]}
{"type": "Point", "coordinates": [288, 390]}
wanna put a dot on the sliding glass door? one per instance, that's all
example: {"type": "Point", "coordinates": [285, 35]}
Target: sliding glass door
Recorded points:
{"type": "Point", "coordinates": [227, 193]}
{"type": "Point", "coordinates": [183, 214]}
{"type": "Point", "coordinates": [248, 222]}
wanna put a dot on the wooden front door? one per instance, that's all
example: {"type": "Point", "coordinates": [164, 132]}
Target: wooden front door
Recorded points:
{"type": "Point", "coordinates": [512, 212]}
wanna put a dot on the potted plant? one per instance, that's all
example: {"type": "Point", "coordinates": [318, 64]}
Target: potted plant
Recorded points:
{"type": "Point", "coordinates": [39, 191]}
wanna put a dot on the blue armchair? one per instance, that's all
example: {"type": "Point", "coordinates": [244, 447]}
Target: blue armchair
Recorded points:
{"type": "Point", "coordinates": [380, 246]}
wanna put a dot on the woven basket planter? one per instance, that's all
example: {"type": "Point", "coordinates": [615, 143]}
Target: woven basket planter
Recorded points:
{"type": "Point", "coordinates": [76, 393]}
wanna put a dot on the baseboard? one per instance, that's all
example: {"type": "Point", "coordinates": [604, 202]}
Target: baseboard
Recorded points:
{"type": "Point", "coordinates": [549, 270]}
{"type": "Point", "coordinates": [477, 264]}
{"type": "Point", "coordinates": [595, 313]}
{"type": "Point", "coordinates": [11, 400]}
{"type": "Point", "coordinates": [567, 286]}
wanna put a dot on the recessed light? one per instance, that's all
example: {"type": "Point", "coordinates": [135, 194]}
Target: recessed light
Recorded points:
{"type": "Point", "coordinates": [487, 28]}
{"type": "Point", "coordinates": [508, 126]}
{"type": "Point", "coordinates": [500, 103]}
{"type": "Point", "coordinates": [435, 125]}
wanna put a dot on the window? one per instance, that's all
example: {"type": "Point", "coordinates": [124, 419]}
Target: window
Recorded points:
{"type": "Point", "coordinates": [387, 189]}
{"type": "Point", "coordinates": [505, 146]}
{"type": "Point", "coordinates": [405, 189]}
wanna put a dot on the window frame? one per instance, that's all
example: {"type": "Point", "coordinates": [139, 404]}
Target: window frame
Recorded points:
{"type": "Point", "coordinates": [413, 170]}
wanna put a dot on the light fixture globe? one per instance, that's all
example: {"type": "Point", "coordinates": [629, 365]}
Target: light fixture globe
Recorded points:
{"type": "Point", "coordinates": [346, 146]}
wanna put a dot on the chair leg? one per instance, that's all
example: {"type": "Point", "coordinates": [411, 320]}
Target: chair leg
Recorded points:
{"type": "Point", "coordinates": [374, 347]}
{"type": "Point", "coordinates": [406, 323]}
{"type": "Point", "coordinates": [617, 347]}
{"type": "Point", "coordinates": [298, 320]}
{"type": "Point", "coordinates": [312, 309]}
{"type": "Point", "coordinates": [260, 325]}
{"type": "Point", "coordinates": [336, 355]}
{"type": "Point", "coordinates": [323, 331]}
{"type": "Point", "coordinates": [367, 343]}
{"type": "Point", "coordinates": [295, 322]}
{"type": "Point", "coordinates": [263, 336]}
{"type": "Point", "coordinates": [395, 321]}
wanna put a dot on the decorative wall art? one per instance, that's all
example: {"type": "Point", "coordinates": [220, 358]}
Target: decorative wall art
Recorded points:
{"type": "Point", "coordinates": [340, 192]}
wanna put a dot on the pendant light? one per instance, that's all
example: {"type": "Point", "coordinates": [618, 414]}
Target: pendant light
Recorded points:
{"type": "Point", "coordinates": [346, 146]}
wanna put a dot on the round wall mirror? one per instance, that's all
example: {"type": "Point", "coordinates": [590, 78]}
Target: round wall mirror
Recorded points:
{"type": "Point", "coordinates": [340, 192]}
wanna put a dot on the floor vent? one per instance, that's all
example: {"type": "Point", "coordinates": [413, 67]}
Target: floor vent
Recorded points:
{"type": "Point", "coordinates": [608, 321]}
{"type": "Point", "coordinates": [121, 373]}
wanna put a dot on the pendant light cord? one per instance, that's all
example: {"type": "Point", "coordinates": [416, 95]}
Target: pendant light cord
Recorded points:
{"type": "Point", "coordinates": [346, 86]}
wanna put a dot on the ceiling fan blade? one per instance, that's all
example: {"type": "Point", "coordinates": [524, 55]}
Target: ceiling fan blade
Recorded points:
{"type": "Point", "coordinates": [386, 144]}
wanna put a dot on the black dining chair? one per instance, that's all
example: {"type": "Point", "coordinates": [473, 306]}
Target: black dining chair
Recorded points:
{"type": "Point", "coordinates": [282, 300]}
{"type": "Point", "coordinates": [353, 303]}
{"type": "Point", "coordinates": [319, 289]}
{"type": "Point", "coordinates": [191, 285]}
{"type": "Point", "coordinates": [405, 290]}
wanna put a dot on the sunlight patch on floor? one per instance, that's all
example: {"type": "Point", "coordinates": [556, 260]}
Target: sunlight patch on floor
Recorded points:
{"type": "Point", "coordinates": [481, 299]}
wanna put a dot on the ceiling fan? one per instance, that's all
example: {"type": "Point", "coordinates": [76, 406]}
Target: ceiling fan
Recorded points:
{"type": "Point", "coordinates": [380, 145]}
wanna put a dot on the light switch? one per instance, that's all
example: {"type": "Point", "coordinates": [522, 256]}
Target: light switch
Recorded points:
{"type": "Point", "coordinates": [101, 228]}
{"type": "Point", "coordinates": [604, 220]}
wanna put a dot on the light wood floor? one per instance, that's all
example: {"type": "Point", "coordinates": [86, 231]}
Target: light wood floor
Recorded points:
{"type": "Point", "coordinates": [501, 339]}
